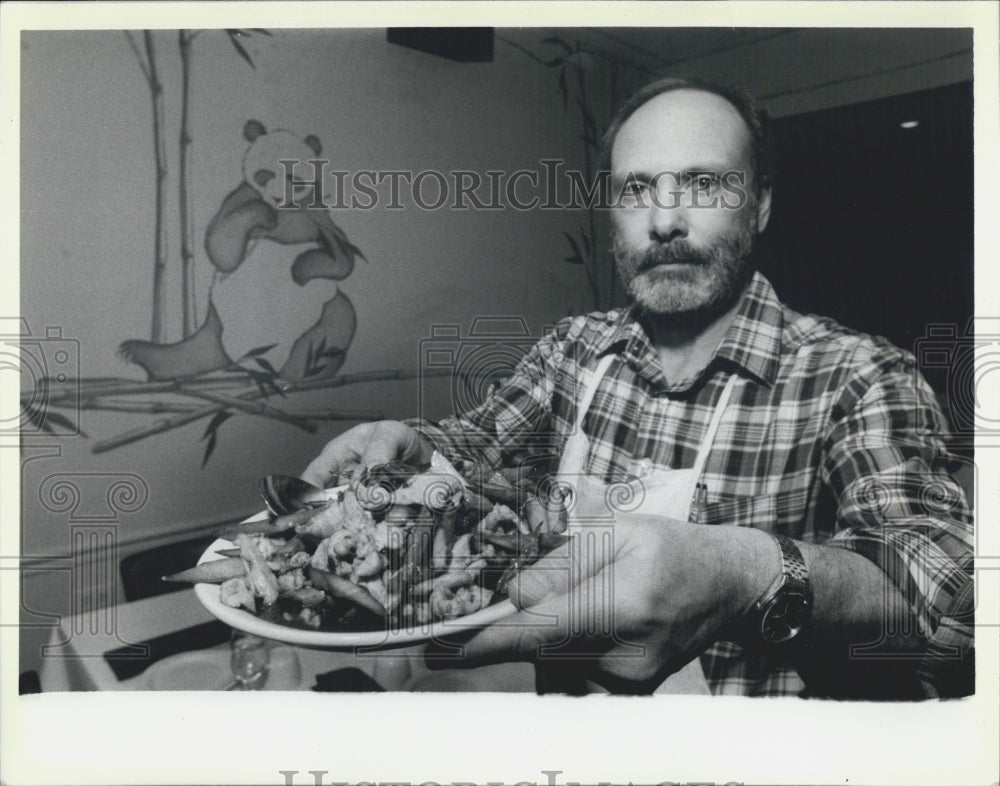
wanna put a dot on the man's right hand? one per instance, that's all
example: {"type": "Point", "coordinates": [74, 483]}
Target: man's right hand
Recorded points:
{"type": "Point", "coordinates": [364, 446]}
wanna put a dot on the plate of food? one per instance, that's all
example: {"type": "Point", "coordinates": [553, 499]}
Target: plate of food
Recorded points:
{"type": "Point", "coordinates": [407, 555]}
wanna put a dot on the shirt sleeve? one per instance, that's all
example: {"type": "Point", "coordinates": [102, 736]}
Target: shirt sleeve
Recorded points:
{"type": "Point", "coordinates": [899, 506]}
{"type": "Point", "coordinates": [514, 421]}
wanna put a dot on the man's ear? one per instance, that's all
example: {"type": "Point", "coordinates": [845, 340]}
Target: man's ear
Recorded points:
{"type": "Point", "coordinates": [763, 209]}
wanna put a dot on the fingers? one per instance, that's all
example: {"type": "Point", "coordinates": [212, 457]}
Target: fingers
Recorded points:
{"type": "Point", "coordinates": [549, 576]}
{"type": "Point", "coordinates": [587, 553]}
{"type": "Point", "coordinates": [518, 637]}
{"type": "Point", "coordinates": [564, 593]}
{"type": "Point", "coordinates": [385, 443]}
{"type": "Point", "coordinates": [336, 457]}
{"type": "Point", "coordinates": [641, 681]}
{"type": "Point", "coordinates": [582, 617]}
{"type": "Point", "coordinates": [361, 447]}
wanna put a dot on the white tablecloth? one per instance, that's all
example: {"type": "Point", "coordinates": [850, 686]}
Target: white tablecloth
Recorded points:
{"type": "Point", "coordinates": [74, 658]}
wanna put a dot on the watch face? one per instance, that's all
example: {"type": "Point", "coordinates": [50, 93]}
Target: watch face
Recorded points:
{"type": "Point", "coordinates": [784, 616]}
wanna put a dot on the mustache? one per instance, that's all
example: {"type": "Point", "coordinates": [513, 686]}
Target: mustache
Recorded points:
{"type": "Point", "coordinates": [673, 253]}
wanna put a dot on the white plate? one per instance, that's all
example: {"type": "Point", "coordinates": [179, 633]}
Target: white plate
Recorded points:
{"type": "Point", "coordinates": [208, 594]}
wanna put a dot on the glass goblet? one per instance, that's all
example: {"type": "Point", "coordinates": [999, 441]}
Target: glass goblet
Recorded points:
{"type": "Point", "coordinates": [249, 657]}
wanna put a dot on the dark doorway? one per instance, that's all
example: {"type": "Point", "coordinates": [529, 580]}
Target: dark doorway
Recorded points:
{"type": "Point", "coordinates": [872, 222]}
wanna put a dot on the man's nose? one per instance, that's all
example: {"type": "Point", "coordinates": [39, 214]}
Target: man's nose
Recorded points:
{"type": "Point", "coordinates": [668, 218]}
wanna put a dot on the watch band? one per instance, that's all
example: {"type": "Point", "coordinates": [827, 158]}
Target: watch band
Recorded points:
{"type": "Point", "coordinates": [792, 586]}
{"type": "Point", "coordinates": [793, 566]}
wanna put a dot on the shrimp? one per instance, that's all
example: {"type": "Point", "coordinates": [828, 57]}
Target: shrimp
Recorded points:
{"type": "Point", "coordinates": [261, 578]}
{"type": "Point", "coordinates": [237, 593]}
{"type": "Point", "coordinates": [293, 580]}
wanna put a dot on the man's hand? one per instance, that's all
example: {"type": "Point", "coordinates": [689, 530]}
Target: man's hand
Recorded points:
{"type": "Point", "coordinates": [639, 599]}
{"type": "Point", "coordinates": [364, 446]}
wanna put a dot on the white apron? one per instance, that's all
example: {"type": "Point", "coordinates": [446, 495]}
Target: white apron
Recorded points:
{"type": "Point", "coordinates": [669, 493]}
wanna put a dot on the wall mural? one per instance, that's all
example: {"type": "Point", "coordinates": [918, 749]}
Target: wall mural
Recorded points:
{"type": "Point", "coordinates": [242, 352]}
{"type": "Point", "coordinates": [246, 355]}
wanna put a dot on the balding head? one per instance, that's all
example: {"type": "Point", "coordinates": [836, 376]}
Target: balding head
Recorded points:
{"type": "Point", "coordinates": [753, 116]}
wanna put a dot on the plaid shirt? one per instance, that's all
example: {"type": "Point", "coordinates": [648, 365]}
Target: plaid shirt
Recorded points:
{"type": "Point", "coordinates": [830, 437]}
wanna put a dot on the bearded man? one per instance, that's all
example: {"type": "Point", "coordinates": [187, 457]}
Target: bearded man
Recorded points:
{"type": "Point", "coordinates": [778, 538]}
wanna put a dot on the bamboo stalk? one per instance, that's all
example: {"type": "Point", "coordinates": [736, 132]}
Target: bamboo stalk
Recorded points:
{"type": "Point", "coordinates": [85, 390]}
{"type": "Point", "coordinates": [88, 388]}
{"type": "Point", "coordinates": [167, 424]}
{"type": "Point", "coordinates": [334, 414]}
{"type": "Point", "coordinates": [138, 54]}
{"type": "Point", "coordinates": [368, 376]}
{"type": "Point", "coordinates": [164, 407]}
{"type": "Point", "coordinates": [161, 426]}
{"type": "Point", "coordinates": [82, 389]}
{"type": "Point", "coordinates": [143, 407]}
{"type": "Point", "coordinates": [187, 224]}
{"type": "Point", "coordinates": [157, 332]}
{"type": "Point", "coordinates": [253, 408]}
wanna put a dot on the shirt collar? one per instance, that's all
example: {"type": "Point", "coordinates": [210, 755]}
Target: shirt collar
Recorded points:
{"type": "Point", "coordinates": [752, 342]}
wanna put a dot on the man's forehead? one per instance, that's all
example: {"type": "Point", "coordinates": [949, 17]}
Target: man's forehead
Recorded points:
{"type": "Point", "coordinates": [681, 129]}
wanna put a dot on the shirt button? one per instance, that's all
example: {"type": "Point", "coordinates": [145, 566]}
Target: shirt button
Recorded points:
{"type": "Point", "coordinates": [644, 467]}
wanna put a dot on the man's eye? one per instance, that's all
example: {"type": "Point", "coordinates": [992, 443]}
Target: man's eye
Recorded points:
{"type": "Point", "coordinates": [633, 194]}
{"type": "Point", "coordinates": [705, 181]}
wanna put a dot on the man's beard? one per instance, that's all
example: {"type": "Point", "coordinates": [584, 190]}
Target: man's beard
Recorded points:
{"type": "Point", "coordinates": [684, 285]}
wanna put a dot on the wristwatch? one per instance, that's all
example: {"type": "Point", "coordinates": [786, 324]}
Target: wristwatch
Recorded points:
{"type": "Point", "coordinates": [783, 611]}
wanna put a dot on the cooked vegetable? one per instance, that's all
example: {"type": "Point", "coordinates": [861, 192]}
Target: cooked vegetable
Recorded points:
{"type": "Point", "coordinates": [416, 561]}
{"type": "Point", "coordinates": [300, 517]}
{"type": "Point", "coordinates": [257, 527]}
{"type": "Point", "coordinates": [408, 545]}
{"type": "Point", "coordinates": [212, 572]}
{"type": "Point", "coordinates": [261, 578]}
{"type": "Point", "coordinates": [342, 588]}
{"type": "Point", "coordinates": [237, 593]}
{"type": "Point", "coordinates": [502, 492]}
{"type": "Point", "coordinates": [535, 514]}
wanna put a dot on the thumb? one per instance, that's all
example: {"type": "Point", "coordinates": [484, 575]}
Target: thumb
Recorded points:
{"type": "Point", "coordinates": [388, 441]}
{"type": "Point", "coordinates": [532, 633]}
{"type": "Point", "coordinates": [577, 560]}
{"type": "Point", "coordinates": [376, 452]}
{"type": "Point", "coordinates": [334, 459]}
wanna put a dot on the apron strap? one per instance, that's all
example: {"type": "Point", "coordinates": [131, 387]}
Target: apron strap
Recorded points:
{"type": "Point", "coordinates": [590, 389]}
{"type": "Point", "coordinates": [706, 443]}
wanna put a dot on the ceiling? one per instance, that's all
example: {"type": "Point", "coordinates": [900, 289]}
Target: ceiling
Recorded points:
{"type": "Point", "coordinates": [792, 70]}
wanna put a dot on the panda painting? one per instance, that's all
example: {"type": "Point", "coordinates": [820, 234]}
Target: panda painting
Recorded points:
{"type": "Point", "coordinates": [276, 271]}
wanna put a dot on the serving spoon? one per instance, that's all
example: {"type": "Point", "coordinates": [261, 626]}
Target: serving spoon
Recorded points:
{"type": "Point", "coordinates": [284, 494]}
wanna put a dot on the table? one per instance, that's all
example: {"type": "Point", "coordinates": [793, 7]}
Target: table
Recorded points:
{"type": "Point", "coordinates": [76, 657]}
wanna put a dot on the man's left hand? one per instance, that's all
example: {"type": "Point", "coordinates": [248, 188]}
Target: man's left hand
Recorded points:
{"type": "Point", "coordinates": [640, 598]}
